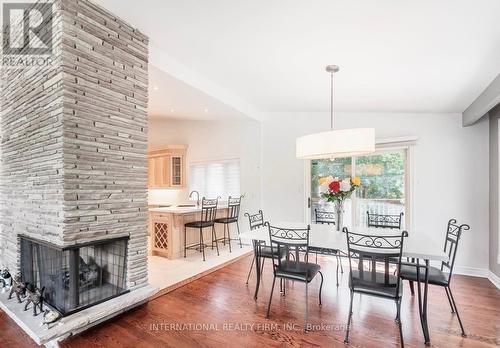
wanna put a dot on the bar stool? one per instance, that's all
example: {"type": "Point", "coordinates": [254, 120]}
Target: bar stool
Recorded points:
{"type": "Point", "coordinates": [233, 212]}
{"type": "Point", "coordinates": [208, 216]}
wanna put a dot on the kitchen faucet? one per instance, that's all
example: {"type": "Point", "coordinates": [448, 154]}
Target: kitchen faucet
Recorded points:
{"type": "Point", "coordinates": [197, 197]}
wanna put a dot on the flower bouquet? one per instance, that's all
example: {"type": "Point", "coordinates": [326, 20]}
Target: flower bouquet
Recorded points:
{"type": "Point", "coordinates": [336, 191]}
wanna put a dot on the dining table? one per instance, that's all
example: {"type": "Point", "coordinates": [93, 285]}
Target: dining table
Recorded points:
{"type": "Point", "coordinates": [326, 240]}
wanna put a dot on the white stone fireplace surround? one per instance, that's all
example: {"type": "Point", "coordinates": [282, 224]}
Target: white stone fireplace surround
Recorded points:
{"type": "Point", "coordinates": [74, 151]}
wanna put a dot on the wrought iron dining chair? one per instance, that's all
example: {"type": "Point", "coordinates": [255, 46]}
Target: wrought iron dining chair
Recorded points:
{"type": "Point", "coordinates": [265, 252]}
{"type": "Point", "coordinates": [208, 216]}
{"type": "Point", "coordinates": [381, 252]}
{"type": "Point", "coordinates": [441, 276]}
{"type": "Point", "coordinates": [293, 240]}
{"type": "Point", "coordinates": [328, 218]}
{"type": "Point", "coordinates": [233, 213]}
{"type": "Point", "coordinates": [324, 217]}
{"type": "Point", "coordinates": [384, 221]}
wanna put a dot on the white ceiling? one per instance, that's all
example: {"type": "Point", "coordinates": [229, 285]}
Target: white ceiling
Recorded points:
{"type": "Point", "coordinates": [394, 55]}
{"type": "Point", "coordinates": [172, 98]}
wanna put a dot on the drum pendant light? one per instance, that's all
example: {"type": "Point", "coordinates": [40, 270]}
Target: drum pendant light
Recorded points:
{"type": "Point", "coordinates": [336, 142]}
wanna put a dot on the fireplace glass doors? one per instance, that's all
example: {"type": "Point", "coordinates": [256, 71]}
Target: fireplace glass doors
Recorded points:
{"type": "Point", "coordinates": [75, 277]}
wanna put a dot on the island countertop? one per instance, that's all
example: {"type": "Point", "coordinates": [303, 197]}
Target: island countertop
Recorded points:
{"type": "Point", "coordinates": [179, 209]}
{"type": "Point", "coordinates": [176, 210]}
{"type": "Point", "coordinates": [167, 231]}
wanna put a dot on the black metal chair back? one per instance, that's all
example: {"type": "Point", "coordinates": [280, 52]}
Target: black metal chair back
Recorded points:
{"type": "Point", "coordinates": [233, 207]}
{"type": "Point", "coordinates": [255, 220]}
{"type": "Point", "coordinates": [377, 250]}
{"type": "Point", "coordinates": [209, 209]}
{"type": "Point", "coordinates": [453, 234]}
{"type": "Point", "coordinates": [291, 240]}
{"type": "Point", "coordinates": [384, 221]}
{"type": "Point", "coordinates": [324, 217]}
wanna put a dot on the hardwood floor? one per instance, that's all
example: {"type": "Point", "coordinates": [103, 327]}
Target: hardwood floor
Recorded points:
{"type": "Point", "coordinates": [206, 305]}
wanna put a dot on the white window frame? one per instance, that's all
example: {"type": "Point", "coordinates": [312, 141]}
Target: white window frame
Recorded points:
{"type": "Point", "coordinates": [394, 144]}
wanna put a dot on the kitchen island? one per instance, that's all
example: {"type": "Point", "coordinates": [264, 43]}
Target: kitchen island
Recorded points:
{"type": "Point", "coordinates": [166, 229]}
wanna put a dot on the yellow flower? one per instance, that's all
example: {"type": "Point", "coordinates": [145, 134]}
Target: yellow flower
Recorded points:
{"type": "Point", "coordinates": [356, 181]}
{"type": "Point", "coordinates": [323, 180]}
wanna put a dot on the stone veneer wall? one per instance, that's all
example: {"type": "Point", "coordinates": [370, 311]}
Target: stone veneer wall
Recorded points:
{"type": "Point", "coordinates": [31, 185]}
{"type": "Point", "coordinates": [105, 69]}
{"type": "Point", "coordinates": [99, 169]}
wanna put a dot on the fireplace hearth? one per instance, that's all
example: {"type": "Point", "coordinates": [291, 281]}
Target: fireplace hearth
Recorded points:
{"type": "Point", "coordinates": [78, 276]}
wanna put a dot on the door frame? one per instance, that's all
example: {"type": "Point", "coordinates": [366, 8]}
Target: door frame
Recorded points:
{"type": "Point", "coordinates": [407, 144]}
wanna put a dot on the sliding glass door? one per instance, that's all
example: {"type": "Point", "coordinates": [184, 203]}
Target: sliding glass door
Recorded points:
{"type": "Point", "coordinates": [384, 186]}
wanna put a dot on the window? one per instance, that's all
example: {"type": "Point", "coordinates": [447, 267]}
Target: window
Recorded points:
{"type": "Point", "coordinates": [384, 184]}
{"type": "Point", "coordinates": [213, 179]}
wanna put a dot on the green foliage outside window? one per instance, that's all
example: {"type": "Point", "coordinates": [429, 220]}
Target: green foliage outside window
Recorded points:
{"type": "Point", "coordinates": [382, 175]}
{"type": "Point", "coordinates": [340, 167]}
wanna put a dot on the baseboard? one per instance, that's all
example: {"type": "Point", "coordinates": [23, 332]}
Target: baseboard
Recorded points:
{"type": "Point", "coordinates": [494, 279]}
{"type": "Point", "coordinates": [478, 272]}
{"type": "Point", "coordinates": [471, 271]}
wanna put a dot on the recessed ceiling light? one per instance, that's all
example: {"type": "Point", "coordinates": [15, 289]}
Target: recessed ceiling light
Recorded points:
{"type": "Point", "coordinates": [206, 110]}
{"type": "Point", "coordinates": [171, 109]}
{"type": "Point", "coordinates": [155, 88]}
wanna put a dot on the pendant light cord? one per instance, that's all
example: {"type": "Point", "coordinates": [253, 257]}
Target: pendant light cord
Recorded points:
{"type": "Point", "coordinates": [331, 100]}
{"type": "Point", "coordinates": [332, 69]}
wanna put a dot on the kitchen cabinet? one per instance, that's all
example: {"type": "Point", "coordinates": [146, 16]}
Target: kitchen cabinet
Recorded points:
{"type": "Point", "coordinates": [166, 230]}
{"type": "Point", "coordinates": [167, 167]}
{"type": "Point", "coordinates": [176, 164]}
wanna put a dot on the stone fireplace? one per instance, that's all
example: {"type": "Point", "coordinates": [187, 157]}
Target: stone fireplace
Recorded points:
{"type": "Point", "coordinates": [73, 174]}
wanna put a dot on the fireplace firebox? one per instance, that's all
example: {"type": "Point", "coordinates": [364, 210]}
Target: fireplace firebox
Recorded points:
{"type": "Point", "coordinates": [78, 276]}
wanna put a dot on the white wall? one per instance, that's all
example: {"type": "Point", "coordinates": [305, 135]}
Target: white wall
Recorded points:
{"type": "Point", "coordinates": [451, 171]}
{"type": "Point", "coordinates": [212, 140]}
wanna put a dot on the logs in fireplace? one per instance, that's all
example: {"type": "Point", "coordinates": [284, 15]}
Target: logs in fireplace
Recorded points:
{"type": "Point", "coordinates": [78, 276]}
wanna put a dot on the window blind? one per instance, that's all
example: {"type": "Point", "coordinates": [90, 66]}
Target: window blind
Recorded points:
{"type": "Point", "coordinates": [215, 179]}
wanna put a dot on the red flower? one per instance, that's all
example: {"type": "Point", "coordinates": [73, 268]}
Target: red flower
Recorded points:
{"type": "Point", "coordinates": [334, 186]}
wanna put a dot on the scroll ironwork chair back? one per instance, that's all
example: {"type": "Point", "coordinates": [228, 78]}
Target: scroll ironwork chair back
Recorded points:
{"type": "Point", "coordinates": [324, 217]}
{"type": "Point", "coordinates": [453, 234]}
{"type": "Point", "coordinates": [233, 208]}
{"type": "Point", "coordinates": [376, 281]}
{"type": "Point", "coordinates": [385, 221]}
{"type": "Point", "coordinates": [376, 250]}
{"type": "Point", "coordinates": [291, 241]}
{"type": "Point", "coordinates": [255, 220]}
{"type": "Point", "coordinates": [209, 209]}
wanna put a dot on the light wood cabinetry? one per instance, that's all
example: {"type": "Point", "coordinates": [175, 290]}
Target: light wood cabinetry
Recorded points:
{"type": "Point", "coordinates": [166, 232]}
{"type": "Point", "coordinates": [160, 228]}
{"type": "Point", "coordinates": [167, 167]}
{"type": "Point", "coordinates": [176, 168]}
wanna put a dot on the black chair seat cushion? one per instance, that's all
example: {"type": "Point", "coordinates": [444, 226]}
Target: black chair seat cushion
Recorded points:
{"type": "Point", "coordinates": [302, 271]}
{"type": "Point", "coordinates": [266, 251]}
{"type": "Point", "coordinates": [378, 288]}
{"type": "Point", "coordinates": [436, 276]}
{"type": "Point", "coordinates": [199, 224]}
{"type": "Point", "coordinates": [226, 220]}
